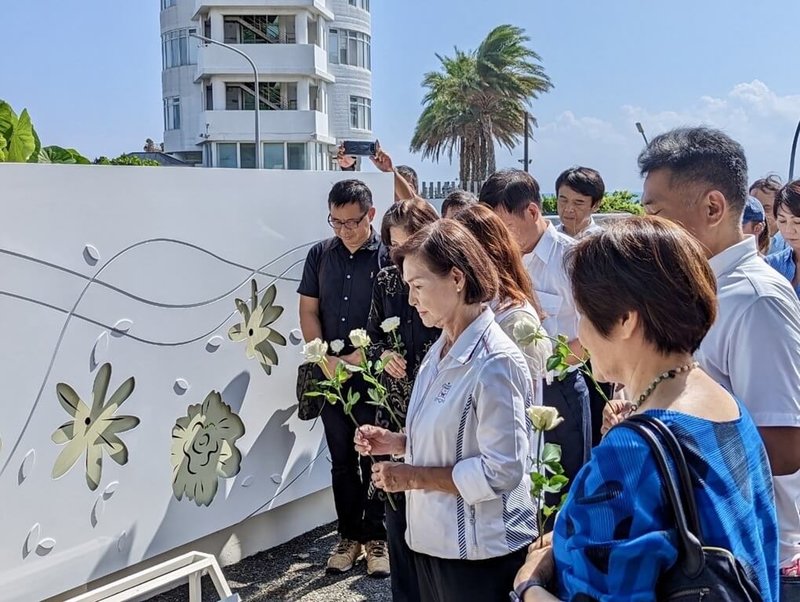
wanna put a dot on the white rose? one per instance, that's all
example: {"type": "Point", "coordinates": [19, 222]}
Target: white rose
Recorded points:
{"type": "Point", "coordinates": [337, 345]}
{"type": "Point", "coordinates": [526, 332]}
{"type": "Point", "coordinates": [390, 324]}
{"type": "Point", "coordinates": [544, 418]}
{"type": "Point", "coordinates": [315, 351]}
{"type": "Point", "coordinates": [359, 338]}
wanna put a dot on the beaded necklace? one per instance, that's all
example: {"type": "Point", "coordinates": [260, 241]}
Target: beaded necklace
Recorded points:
{"type": "Point", "coordinates": [658, 380]}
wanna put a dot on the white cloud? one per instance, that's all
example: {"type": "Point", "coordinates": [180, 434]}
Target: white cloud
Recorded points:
{"type": "Point", "coordinates": [761, 120]}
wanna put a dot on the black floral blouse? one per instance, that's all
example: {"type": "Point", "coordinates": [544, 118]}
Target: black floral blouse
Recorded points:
{"type": "Point", "coordinates": [390, 299]}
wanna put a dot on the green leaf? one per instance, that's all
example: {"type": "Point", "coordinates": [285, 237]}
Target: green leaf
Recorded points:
{"type": "Point", "coordinates": [21, 143]}
{"type": "Point", "coordinates": [551, 453]}
{"type": "Point", "coordinates": [553, 362]}
{"type": "Point", "coordinates": [548, 511]}
{"type": "Point", "coordinates": [8, 120]}
{"type": "Point", "coordinates": [314, 394]}
{"type": "Point", "coordinates": [3, 147]}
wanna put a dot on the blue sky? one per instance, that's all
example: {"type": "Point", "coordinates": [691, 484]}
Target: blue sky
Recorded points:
{"type": "Point", "coordinates": [90, 74]}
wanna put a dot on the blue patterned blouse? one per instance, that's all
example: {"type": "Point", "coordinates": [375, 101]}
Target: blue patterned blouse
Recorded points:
{"type": "Point", "coordinates": [614, 536]}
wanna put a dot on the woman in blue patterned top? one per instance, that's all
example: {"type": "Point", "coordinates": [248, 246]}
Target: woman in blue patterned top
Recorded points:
{"type": "Point", "coordinates": [647, 297]}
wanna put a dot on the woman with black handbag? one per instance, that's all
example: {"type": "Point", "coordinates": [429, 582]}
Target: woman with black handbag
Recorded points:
{"type": "Point", "coordinates": [634, 521]}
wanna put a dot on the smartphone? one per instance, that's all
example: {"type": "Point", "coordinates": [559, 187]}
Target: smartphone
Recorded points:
{"type": "Point", "coordinates": [359, 148]}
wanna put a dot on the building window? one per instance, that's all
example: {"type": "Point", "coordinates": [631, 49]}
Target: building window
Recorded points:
{"type": "Point", "coordinates": [209, 98]}
{"type": "Point", "coordinates": [172, 113]}
{"type": "Point", "coordinates": [274, 155]}
{"type": "Point", "coordinates": [178, 49]}
{"type": "Point", "coordinates": [226, 154]}
{"type": "Point", "coordinates": [167, 3]}
{"type": "Point", "coordinates": [247, 156]}
{"type": "Point", "coordinates": [296, 155]}
{"type": "Point", "coordinates": [259, 29]}
{"type": "Point", "coordinates": [360, 113]}
{"type": "Point", "coordinates": [348, 47]}
{"type": "Point", "coordinates": [362, 4]}
{"type": "Point", "coordinates": [274, 96]}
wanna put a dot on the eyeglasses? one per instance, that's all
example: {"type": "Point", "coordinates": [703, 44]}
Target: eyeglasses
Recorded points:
{"type": "Point", "coordinates": [348, 224]}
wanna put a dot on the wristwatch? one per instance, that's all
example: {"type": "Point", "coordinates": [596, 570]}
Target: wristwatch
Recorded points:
{"type": "Point", "coordinates": [519, 591]}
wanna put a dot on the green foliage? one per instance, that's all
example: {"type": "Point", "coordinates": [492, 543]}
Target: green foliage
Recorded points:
{"type": "Point", "coordinates": [127, 160]}
{"type": "Point", "coordinates": [19, 142]}
{"type": "Point", "coordinates": [56, 154]}
{"type": "Point", "coordinates": [618, 201]}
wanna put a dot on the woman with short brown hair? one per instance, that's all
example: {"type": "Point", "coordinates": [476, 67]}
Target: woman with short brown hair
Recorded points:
{"type": "Point", "coordinates": [470, 514]}
{"type": "Point", "coordinates": [647, 297]}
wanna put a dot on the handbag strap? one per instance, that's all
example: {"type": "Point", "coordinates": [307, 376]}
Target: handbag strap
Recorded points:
{"type": "Point", "coordinates": [690, 547]}
{"type": "Point", "coordinates": [685, 488]}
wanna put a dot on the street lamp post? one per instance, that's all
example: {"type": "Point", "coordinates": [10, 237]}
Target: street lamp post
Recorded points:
{"type": "Point", "coordinates": [641, 131]}
{"type": "Point", "coordinates": [257, 96]}
{"type": "Point", "coordinates": [794, 152]}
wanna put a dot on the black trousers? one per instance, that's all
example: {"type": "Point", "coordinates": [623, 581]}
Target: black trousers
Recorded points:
{"type": "Point", "coordinates": [401, 559]}
{"type": "Point", "coordinates": [571, 398]}
{"type": "Point", "coordinates": [360, 516]}
{"type": "Point", "coordinates": [446, 580]}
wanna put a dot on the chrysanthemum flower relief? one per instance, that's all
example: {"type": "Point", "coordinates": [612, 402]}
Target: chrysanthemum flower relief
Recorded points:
{"type": "Point", "coordinates": [93, 430]}
{"type": "Point", "coordinates": [255, 327]}
{"type": "Point", "coordinates": [204, 449]}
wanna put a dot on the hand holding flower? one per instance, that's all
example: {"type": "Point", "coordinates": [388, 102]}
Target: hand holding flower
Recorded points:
{"type": "Point", "coordinates": [394, 364]}
{"type": "Point", "coordinates": [370, 439]}
{"type": "Point", "coordinates": [393, 477]}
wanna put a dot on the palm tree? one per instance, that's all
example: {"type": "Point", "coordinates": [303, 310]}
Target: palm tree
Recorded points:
{"type": "Point", "coordinates": [477, 99]}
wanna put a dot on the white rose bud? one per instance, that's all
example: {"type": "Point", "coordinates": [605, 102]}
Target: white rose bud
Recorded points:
{"type": "Point", "coordinates": [544, 418]}
{"type": "Point", "coordinates": [359, 338]}
{"type": "Point", "coordinates": [526, 332]}
{"type": "Point", "coordinates": [337, 345]}
{"type": "Point", "coordinates": [390, 324]}
{"type": "Point", "coordinates": [315, 351]}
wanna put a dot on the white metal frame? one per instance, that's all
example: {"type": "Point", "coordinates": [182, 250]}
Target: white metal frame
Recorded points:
{"type": "Point", "coordinates": [192, 565]}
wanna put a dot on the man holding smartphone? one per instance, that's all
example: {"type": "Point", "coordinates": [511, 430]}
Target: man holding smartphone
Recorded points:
{"type": "Point", "coordinates": [404, 186]}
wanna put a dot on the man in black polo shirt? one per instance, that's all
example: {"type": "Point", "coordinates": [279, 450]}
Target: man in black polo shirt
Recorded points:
{"type": "Point", "coordinates": [335, 297]}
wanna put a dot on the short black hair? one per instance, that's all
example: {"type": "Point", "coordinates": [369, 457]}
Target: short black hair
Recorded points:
{"type": "Point", "coordinates": [511, 189]}
{"type": "Point", "coordinates": [346, 192]}
{"type": "Point", "coordinates": [700, 154]}
{"type": "Point", "coordinates": [788, 197]}
{"type": "Point", "coordinates": [409, 175]}
{"type": "Point", "coordinates": [583, 180]}
{"type": "Point", "coordinates": [458, 199]}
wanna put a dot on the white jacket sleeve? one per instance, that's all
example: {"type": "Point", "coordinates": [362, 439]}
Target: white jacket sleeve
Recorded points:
{"type": "Point", "coordinates": [499, 400]}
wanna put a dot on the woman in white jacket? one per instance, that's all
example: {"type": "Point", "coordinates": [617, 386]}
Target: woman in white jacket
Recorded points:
{"type": "Point", "coordinates": [469, 510]}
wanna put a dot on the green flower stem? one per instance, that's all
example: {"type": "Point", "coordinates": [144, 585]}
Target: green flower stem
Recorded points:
{"type": "Point", "coordinates": [581, 363]}
{"type": "Point", "coordinates": [540, 496]}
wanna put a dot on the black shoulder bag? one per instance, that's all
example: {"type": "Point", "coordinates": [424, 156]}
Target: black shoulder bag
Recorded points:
{"type": "Point", "coordinates": [701, 572]}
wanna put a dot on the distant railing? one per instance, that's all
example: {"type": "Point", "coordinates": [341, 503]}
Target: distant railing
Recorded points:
{"type": "Point", "coordinates": [440, 189]}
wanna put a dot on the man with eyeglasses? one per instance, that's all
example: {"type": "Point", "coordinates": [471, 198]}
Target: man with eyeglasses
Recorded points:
{"type": "Point", "coordinates": [335, 297]}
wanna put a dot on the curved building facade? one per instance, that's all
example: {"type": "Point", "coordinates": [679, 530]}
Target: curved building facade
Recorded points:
{"type": "Point", "coordinates": [315, 85]}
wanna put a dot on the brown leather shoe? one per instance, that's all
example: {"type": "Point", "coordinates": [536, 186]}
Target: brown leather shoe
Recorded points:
{"type": "Point", "coordinates": [377, 559]}
{"type": "Point", "coordinates": [344, 556]}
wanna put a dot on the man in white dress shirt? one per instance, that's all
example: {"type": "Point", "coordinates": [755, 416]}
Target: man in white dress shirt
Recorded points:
{"type": "Point", "coordinates": [514, 196]}
{"type": "Point", "coordinates": [579, 192]}
{"type": "Point", "coordinates": [698, 178]}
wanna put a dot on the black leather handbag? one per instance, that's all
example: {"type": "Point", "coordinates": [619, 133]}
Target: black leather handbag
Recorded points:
{"type": "Point", "coordinates": [308, 408]}
{"type": "Point", "coordinates": [701, 572]}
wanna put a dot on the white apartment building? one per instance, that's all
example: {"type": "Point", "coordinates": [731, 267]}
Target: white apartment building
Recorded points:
{"type": "Point", "coordinates": [314, 63]}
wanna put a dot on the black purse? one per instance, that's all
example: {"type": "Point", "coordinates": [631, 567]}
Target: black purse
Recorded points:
{"type": "Point", "coordinates": [308, 375]}
{"type": "Point", "coordinates": [701, 572]}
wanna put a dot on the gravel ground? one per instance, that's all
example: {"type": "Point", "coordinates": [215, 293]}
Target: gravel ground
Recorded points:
{"type": "Point", "coordinates": [294, 572]}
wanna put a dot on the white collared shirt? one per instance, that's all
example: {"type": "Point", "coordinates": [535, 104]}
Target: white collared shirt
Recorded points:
{"type": "Point", "coordinates": [753, 350]}
{"type": "Point", "coordinates": [467, 410]}
{"type": "Point", "coordinates": [591, 228]}
{"type": "Point", "coordinates": [551, 282]}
